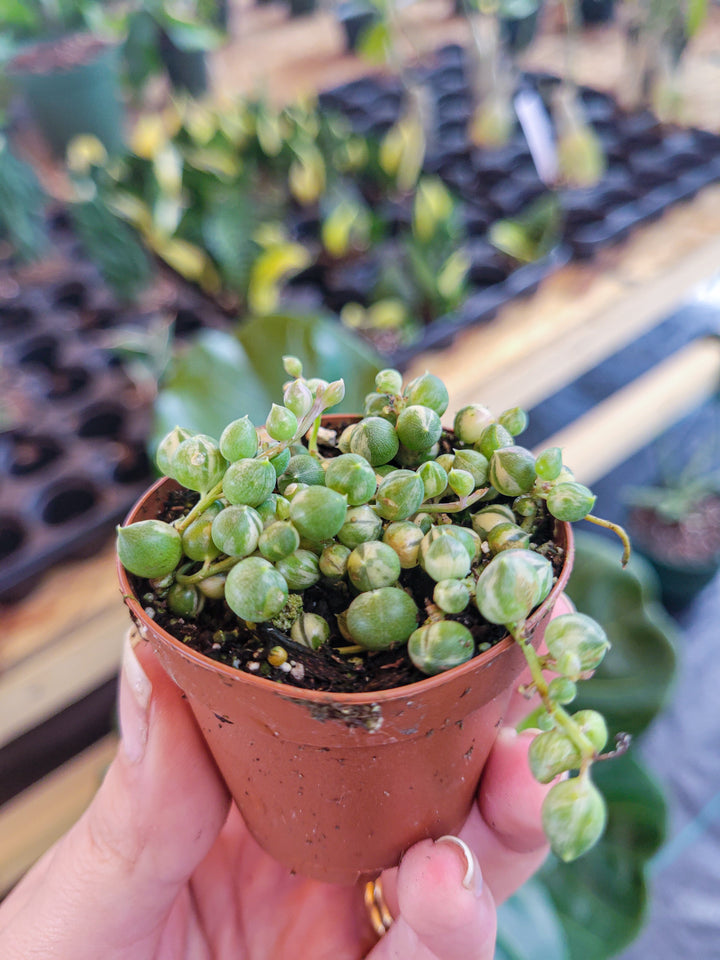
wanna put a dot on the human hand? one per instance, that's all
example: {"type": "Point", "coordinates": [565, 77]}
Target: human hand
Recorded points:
{"type": "Point", "coordinates": [161, 867]}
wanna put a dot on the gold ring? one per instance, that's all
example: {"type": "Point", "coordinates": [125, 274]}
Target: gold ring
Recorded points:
{"type": "Point", "coordinates": [380, 917]}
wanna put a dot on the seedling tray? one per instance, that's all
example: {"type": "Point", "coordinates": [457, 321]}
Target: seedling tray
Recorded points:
{"type": "Point", "coordinates": [74, 426]}
{"type": "Point", "coordinates": [649, 168]}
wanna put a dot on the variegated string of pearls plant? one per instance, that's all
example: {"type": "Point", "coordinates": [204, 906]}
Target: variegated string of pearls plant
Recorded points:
{"type": "Point", "coordinates": [277, 515]}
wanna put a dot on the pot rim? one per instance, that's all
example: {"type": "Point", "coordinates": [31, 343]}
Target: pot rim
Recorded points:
{"type": "Point", "coordinates": [101, 46]}
{"type": "Point", "coordinates": [324, 696]}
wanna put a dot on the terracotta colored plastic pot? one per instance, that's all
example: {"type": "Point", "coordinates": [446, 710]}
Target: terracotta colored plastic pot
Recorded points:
{"type": "Point", "coordinates": [337, 786]}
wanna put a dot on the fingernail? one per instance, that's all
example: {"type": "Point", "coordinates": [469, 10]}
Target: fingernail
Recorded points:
{"type": "Point", "coordinates": [472, 880]}
{"type": "Point", "coordinates": [135, 690]}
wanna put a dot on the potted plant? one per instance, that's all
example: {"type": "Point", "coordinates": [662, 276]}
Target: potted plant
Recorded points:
{"type": "Point", "coordinates": [421, 275]}
{"type": "Point", "coordinates": [347, 603]}
{"type": "Point", "coordinates": [676, 525]}
{"type": "Point", "coordinates": [65, 66]}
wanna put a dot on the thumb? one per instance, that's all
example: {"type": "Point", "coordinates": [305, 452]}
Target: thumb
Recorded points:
{"type": "Point", "coordinates": [107, 888]}
{"type": "Point", "coordinates": [444, 909]}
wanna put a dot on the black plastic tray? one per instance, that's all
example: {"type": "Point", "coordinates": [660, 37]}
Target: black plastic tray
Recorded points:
{"type": "Point", "coordinates": [649, 168]}
{"type": "Point", "coordinates": [74, 426]}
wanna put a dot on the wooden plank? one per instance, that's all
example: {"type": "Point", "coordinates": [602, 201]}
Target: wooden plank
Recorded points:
{"type": "Point", "coordinates": [563, 355]}
{"type": "Point", "coordinates": [42, 684]}
{"type": "Point", "coordinates": [68, 596]}
{"type": "Point", "coordinates": [634, 416]}
{"type": "Point", "coordinates": [31, 822]}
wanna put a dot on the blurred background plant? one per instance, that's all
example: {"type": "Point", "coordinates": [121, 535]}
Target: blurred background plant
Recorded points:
{"type": "Point", "coordinates": [675, 520]}
{"type": "Point", "coordinates": [22, 206]}
{"type": "Point", "coordinates": [657, 33]}
{"type": "Point", "coordinates": [25, 21]}
{"type": "Point", "coordinates": [173, 36]}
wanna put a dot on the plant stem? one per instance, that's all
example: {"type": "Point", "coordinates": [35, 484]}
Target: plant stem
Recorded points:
{"type": "Point", "coordinates": [208, 570]}
{"type": "Point", "coordinates": [313, 416]}
{"type": "Point", "coordinates": [454, 506]}
{"type": "Point", "coordinates": [313, 438]}
{"type": "Point", "coordinates": [618, 531]}
{"type": "Point", "coordinates": [561, 717]}
{"type": "Point", "coordinates": [349, 651]}
{"type": "Point", "coordinates": [203, 503]}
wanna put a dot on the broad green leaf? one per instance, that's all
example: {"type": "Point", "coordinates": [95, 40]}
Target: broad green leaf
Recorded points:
{"type": "Point", "coordinates": [529, 927]}
{"type": "Point", "coordinates": [20, 17]}
{"type": "Point", "coordinates": [633, 682]}
{"type": "Point", "coordinates": [208, 385]}
{"type": "Point", "coordinates": [221, 377]}
{"type": "Point", "coordinates": [140, 56]}
{"type": "Point", "coordinates": [320, 342]}
{"type": "Point", "coordinates": [601, 899]}
{"type": "Point", "coordinates": [22, 202]}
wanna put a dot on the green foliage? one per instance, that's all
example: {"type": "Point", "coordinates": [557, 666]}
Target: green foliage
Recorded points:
{"type": "Point", "coordinates": [425, 273]}
{"type": "Point", "coordinates": [678, 497]}
{"type": "Point", "coordinates": [113, 246]}
{"type": "Point", "coordinates": [228, 231]}
{"type": "Point", "coordinates": [529, 927]}
{"type": "Point", "coordinates": [22, 203]}
{"type": "Point", "coordinates": [209, 190]}
{"type": "Point", "coordinates": [191, 27]}
{"type": "Point", "coordinates": [533, 233]}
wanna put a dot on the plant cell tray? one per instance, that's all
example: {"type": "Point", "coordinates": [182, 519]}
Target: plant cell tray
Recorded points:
{"type": "Point", "coordinates": [74, 425]}
{"type": "Point", "coordinates": [649, 168]}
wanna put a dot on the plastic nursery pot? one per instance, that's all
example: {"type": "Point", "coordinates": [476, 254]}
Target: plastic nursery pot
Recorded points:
{"type": "Point", "coordinates": [683, 568]}
{"type": "Point", "coordinates": [300, 8]}
{"type": "Point", "coordinates": [337, 786]}
{"type": "Point", "coordinates": [681, 583]}
{"type": "Point", "coordinates": [187, 69]}
{"type": "Point", "coordinates": [71, 87]}
{"type": "Point", "coordinates": [596, 11]}
{"type": "Point", "coordinates": [355, 17]}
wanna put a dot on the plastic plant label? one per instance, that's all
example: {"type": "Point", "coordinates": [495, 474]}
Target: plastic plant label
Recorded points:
{"type": "Point", "coordinates": [537, 128]}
